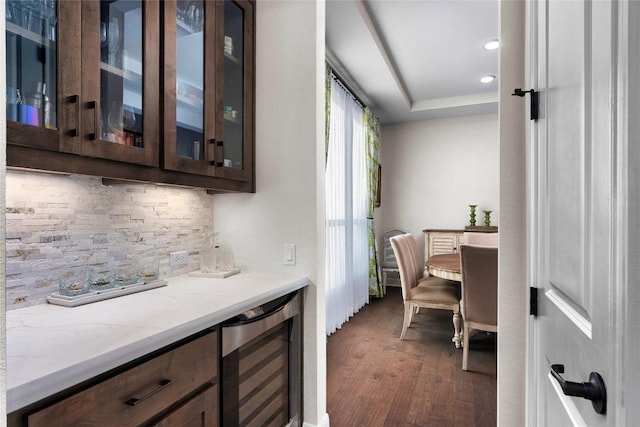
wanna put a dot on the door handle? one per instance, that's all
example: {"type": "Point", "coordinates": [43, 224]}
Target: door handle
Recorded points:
{"type": "Point", "coordinates": [594, 390]}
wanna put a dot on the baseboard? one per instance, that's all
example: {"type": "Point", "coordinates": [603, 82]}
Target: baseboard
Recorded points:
{"type": "Point", "coordinates": [324, 422]}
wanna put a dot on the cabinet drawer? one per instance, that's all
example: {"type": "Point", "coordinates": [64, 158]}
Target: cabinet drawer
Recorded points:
{"type": "Point", "coordinates": [139, 393]}
{"type": "Point", "coordinates": [199, 411]}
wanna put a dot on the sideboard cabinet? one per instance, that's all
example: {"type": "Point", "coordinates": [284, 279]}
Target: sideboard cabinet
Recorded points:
{"type": "Point", "coordinates": [134, 90]}
{"type": "Point", "coordinates": [441, 242]}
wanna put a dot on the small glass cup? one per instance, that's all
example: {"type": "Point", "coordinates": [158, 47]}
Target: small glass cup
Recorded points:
{"type": "Point", "coordinates": [100, 280]}
{"type": "Point", "coordinates": [224, 260]}
{"type": "Point", "coordinates": [72, 285]}
{"type": "Point", "coordinates": [149, 271]}
{"type": "Point", "coordinates": [207, 260]}
{"type": "Point", "coordinates": [126, 275]}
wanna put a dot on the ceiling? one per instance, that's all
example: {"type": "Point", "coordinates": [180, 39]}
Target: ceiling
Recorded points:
{"type": "Point", "coordinates": [414, 60]}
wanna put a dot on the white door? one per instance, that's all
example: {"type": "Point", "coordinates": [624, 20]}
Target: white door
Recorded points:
{"type": "Point", "coordinates": [575, 229]}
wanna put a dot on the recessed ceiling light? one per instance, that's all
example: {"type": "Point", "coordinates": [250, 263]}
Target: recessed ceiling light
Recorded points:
{"type": "Point", "coordinates": [493, 44]}
{"type": "Point", "coordinates": [487, 79]}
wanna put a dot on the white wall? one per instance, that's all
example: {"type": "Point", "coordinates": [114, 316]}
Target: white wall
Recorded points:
{"type": "Point", "coordinates": [433, 169]}
{"type": "Point", "coordinates": [288, 206]}
{"type": "Point", "coordinates": [512, 283]}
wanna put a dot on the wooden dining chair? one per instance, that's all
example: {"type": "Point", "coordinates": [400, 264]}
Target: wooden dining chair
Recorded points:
{"type": "Point", "coordinates": [422, 276]}
{"type": "Point", "coordinates": [441, 297]}
{"type": "Point", "coordinates": [479, 292]}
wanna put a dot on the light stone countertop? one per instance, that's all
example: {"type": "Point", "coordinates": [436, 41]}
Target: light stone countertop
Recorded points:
{"type": "Point", "coordinates": [50, 347]}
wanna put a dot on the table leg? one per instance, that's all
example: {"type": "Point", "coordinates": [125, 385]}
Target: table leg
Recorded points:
{"type": "Point", "coordinates": [456, 330]}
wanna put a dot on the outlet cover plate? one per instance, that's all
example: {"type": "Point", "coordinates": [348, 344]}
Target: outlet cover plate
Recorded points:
{"type": "Point", "coordinates": [177, 259]}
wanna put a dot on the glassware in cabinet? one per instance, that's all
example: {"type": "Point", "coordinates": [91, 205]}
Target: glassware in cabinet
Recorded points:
{"type": "Point", "coordinates": [236, 51]}
{"type": "Point", "coordinates": [188, 86]}
{"type": "Point", "coordinates": [209, 88]}
{"type": "Point", "coordinates": [120, 105]}
{"type": "Point", "coordinates": [31, 62]}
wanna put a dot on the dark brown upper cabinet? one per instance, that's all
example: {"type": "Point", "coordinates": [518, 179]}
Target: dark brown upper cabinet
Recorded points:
{"type": "Point", "coordinates": [120, 103]}
{"type": "Point", "coordinates": [133, 90]}
{"type": "Point", "coordinates": [78, 81]}
{"type": "Point", "coordinates": [34, 109]}
{"type": "Point", "coordinates": [208, 92]}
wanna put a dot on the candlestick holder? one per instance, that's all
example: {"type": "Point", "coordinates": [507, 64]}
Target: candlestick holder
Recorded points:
{"type": "Point", "coordinates": [487, 218]}
{"type": "Point", "coordinates": [472, 216]}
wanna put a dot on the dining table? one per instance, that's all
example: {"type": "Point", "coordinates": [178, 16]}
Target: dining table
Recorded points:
{"type": "Point", "coordinates": [445, 266]}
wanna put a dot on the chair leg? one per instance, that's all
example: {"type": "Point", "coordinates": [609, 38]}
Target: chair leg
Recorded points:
{"type": "Point", "coordinates": [456, 329]}
{"type": "Point", "coordinates": [465, 350]}
{"type": "Point", "coordinates": [408, 314]}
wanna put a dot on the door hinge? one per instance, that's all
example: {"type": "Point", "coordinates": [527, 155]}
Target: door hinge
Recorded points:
{"type": "Point", "coordinates": [533, 101]}
{"type": "Point", "coordinates": [533, 301]}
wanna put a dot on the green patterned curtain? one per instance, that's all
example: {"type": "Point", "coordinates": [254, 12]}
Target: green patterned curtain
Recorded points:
{"type": "Point", "coordinates": [372, 136]}
{"type": "Point", "coordinates": [327, 109]}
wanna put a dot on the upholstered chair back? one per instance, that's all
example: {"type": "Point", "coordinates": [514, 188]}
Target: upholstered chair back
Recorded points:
{"type": "Point", "coordinates": [405, 265]}
{"type": "Point", "coordinates": [418, 265]}
{"type": "Point", "coordinates": [479, 284]}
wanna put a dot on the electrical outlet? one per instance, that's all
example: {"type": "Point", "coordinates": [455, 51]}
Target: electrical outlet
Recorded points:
{"type": "Point", "coordinates": [176, 259]}
{"type": "Point", "coordinates": [289, 254]}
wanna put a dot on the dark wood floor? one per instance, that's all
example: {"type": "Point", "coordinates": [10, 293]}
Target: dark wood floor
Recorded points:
{"type": "Point", "coordinates": [374, 379]}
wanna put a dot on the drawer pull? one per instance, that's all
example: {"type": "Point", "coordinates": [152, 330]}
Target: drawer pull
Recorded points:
{"type": "Point", "coordinates": [135, 400]}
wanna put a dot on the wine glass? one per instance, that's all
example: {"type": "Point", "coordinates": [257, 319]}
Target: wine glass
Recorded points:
{"type": "Point", "coordinates": [114, 120]}
{"type": "Point", "coordinates": [103, 34]}
{"type": "Point", "coordinates": [9, 11]}
{"type": "Point", "coordinates": [128, 118]}
{"type": "Point", "coordinates": [129, 124]}
{"type": "Point", "coordinates": [197, 17]}
{"type": "Point", "coordinates": [113, 39]}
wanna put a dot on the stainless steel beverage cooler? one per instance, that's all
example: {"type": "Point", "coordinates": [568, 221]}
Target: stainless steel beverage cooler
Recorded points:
{"type": "Point", "coordinates": [262, 366]}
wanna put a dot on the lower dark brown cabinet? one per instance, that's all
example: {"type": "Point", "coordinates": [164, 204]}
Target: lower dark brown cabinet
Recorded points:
{"type": "Point", "coordinates": [176, 388]}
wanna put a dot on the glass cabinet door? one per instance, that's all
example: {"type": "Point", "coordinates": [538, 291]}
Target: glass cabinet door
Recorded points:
{"type": "Point", "coordinates": [120, 54]}
{"type": "Point", "coordinates": [237, 89]}
{"type": "Point", "coordinates": [189, 124]}
{"type": "Point", "coordinates": [208, 88]}
{"type": "Point", "coordinates": [31, 78]}
{"type": "Point", "coordinates": [189, 107]}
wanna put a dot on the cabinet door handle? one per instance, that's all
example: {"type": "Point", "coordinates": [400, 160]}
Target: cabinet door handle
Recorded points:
{"type": "Point", "coordinates": [211, 151]}
{"type": "Point", "coordinates": [135, 400]}
{"type": "Point", "coordinates": [96, 120]}
{"type": "Point", "coordinates": [75, 99]}
{"type": "Point", "coordinates": [219, 153]}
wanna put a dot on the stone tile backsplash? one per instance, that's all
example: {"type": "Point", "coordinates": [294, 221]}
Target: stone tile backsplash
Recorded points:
{"type": "Point", "coordinates": [57, 224]}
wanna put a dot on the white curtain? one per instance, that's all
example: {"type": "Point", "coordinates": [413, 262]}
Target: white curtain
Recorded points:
{"type": "Point", "coordinates": [347, 248]}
